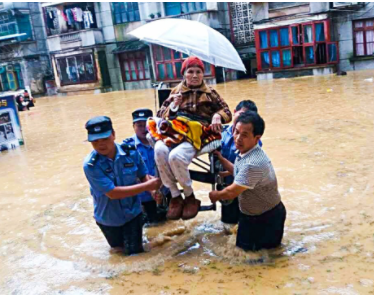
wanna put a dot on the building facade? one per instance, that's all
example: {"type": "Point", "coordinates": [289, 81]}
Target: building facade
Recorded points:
{"type": "Point", "coordinates": [24, 59]}
{"type": "Point", "coordinates": [66, 47]}
{"type": "Point", "coordinates": [79, 36]}
{"type": "Point", "coordinates": [141, 64]}
{"type": "Point", "coordinates": [312, 38]}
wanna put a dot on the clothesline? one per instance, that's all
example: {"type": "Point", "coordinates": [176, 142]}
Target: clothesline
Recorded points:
{"type": "Point", "coordinates": [71, 16]}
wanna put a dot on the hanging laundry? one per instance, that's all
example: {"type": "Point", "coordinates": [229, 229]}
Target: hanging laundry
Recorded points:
{"type": "Point", "coordinates": [64, 16]}
{"type": "Point", "coordinates": [69, 16]}
{"type": "Point", "coordinates": [55, 19]}
{"type": "Point", "coordinates": [87, 19]}
{"type": "Point", "coordinates": [78, 14]}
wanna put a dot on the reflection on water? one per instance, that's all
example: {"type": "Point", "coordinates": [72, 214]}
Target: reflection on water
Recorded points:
{"type": "Point", "coordinates": [319, 135]}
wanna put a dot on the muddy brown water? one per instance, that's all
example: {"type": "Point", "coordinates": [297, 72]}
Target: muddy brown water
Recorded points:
{"type": "Point", "coordinates": [319, 136]}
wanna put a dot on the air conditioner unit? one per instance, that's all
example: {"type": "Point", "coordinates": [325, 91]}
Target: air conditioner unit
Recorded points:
{"type": "Point", "coordinates": [9, 68]}
{"type": "Point", "coordinates": [344, 4]}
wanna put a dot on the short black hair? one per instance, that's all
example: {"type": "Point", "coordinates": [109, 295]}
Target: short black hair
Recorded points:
{"type": "Point", "coordinates": [247, 104]}
{"type": "Point", "coordinates": [257, 122]}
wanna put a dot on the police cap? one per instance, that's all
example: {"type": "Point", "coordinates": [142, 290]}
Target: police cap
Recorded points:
{"type": "Point", "coordinates": [99, 127]}
{"type": "Point", "coordinates": [141, 115]}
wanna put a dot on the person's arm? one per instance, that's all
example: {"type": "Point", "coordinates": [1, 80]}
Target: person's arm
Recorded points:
{"type": "Point", "coordinates": [223, 108]}
{"type": "Point", "coordinates": [165, 110]}
{"type": "Point", "coordinates": [228, 166]}
{"type": "Point", "coordinates": [103, 184]}
{"type": "Point", "coordinates": [229, 193]}
{"type": "Point", "coordinates": [120, 192]}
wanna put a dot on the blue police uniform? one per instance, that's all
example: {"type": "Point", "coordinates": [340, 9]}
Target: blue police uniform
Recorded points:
{"type": "Point", "coordinates": [148, 155]}
{"type": "Point", "coordinates": [104, 174]}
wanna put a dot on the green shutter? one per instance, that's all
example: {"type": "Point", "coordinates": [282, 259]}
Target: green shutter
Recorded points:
{"type": "Point", "coordinates": [104, 69]}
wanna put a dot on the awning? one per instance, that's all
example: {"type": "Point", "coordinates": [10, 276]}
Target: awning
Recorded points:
{"type": "Point", "coordinates": [11, 36]}
{"type": "Point", "coordinates": [129, 46]}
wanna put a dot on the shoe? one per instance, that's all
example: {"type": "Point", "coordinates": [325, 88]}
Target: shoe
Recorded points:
{"type": "Point", "coordinates": [175, 208]}
{"type": "Point", "coordinates": [191, 207]}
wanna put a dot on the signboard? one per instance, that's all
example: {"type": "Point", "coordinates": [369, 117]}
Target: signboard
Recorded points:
{"type": "Point", "coordinates": [10, 126]}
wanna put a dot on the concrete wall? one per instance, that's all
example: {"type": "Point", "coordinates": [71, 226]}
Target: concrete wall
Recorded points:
{"type": "Point", "coordinates": [288, 11]}
{"type": "Point", "coordinates": [343, 33]}
{"type": "Point", "coordinates": [316, 7]}
{"type": "Point", "coordinates": [138, 85]}
{"type": "Point", "coordinates": [260, 11]}
{"type": "Point", "coordinates": [299, 72]}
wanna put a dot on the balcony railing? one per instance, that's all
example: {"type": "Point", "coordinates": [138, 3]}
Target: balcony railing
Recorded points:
{"type": "Point", "coordinates": [71, 37]}
{"type": "Point", "coordinates": [81, 38]}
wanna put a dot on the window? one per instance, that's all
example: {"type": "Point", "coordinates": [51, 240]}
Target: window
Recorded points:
{"type": "Point", "coordinates": [134, 66]}
{"type": "Point", "coordinates": [76, 69]}
{"type": "Point", "coordinates": [10, 24]}
{"type": "Point", "coordinates": [176, 8]}
{"type": "Point", "coordinates": [297, 45]}
{"type": "Point", "coordinates": [11, 77]}
{"type": "Point", "coordinates": [275, 48]}
{"type": "Point", "coordinates": [241, 22]}
{"type": "Point", "coordinates": [169, 64]}
{"type": "Point", "coordinates": [364, 37]}
{"type": "Point", "coordinates": [125, 12]}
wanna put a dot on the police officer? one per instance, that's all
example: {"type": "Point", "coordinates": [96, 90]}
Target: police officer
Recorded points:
{"type": "Point", "coordinates": [113, 172]}
{"type": "Point", "coordinates": [230, 210]}
{"type": "Point", "coordinates": [139, 140]}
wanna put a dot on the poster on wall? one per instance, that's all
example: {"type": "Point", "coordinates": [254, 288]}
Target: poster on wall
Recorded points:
{"type": "Point", "coordinates": [10, 126]}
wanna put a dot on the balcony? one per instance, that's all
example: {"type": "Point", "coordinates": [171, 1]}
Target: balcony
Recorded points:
{"type": "Point", "coordinates": [83, 38]}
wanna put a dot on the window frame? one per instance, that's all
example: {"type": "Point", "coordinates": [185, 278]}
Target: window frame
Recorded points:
{"type": "Point", "coordinates": [74, 56]}
{"type": "Point", "coordinates": [186, 4]}
{"type": "Point", "coordinates": [278, 48]}
{"type": "Point", "coordinates": [114, 13]}
{"type": "Point", "coordinates": [301, 43]}
{"type": "Point", "coordinates": [135, 59]}
{"type": "Point", "coordinates": [173, 60]}
{"type": "Point", "coordinates": [363, 29]}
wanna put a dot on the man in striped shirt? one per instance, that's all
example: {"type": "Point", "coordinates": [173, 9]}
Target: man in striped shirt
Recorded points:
{"type": "Point", "coordinates": [262, 214]}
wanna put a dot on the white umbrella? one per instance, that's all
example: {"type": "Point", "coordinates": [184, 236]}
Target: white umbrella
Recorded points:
{"type": "Point", "coordinates": [194, 39]}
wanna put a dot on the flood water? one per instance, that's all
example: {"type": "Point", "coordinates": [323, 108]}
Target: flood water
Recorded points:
{"type": "Point", "coordinates": [319, 135]}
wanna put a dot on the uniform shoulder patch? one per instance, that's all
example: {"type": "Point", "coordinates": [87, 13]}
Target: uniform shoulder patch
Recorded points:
{"type": "Point", "coordinates": [129, 140]}
{"type": "Point", "coordinates": [93, 159]}
{"type": "Point", "coordinates": [127, 147]}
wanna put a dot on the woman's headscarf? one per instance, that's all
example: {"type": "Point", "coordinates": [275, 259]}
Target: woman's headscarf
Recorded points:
{"type": "Point", "coordinates": [190, 62]}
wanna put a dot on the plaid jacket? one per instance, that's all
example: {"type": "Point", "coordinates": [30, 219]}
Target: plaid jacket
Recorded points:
{"type": "Point", "coordinates": [203, 102]}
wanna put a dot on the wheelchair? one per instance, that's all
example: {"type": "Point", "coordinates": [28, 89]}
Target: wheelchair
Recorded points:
{"type": "Point", "coordinates": [209, 171]}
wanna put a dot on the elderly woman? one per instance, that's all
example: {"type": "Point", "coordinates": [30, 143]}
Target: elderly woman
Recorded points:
{"type": "Point", "coordinates": [194, 98]}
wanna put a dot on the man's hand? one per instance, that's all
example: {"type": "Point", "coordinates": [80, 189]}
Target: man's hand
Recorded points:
{"type": "Point", "coordinates": [153, 184]}
{"type": "Point", "coordinates": [157, 196]}
{"type": "Point", "coordinates": [216, 123]}
{"type": "Point", "coordinates": [214, 196]}
{"type": "Point", "coordinates": [218, 154]}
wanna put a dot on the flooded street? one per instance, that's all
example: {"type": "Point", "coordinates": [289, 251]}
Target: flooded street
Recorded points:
{"type": "Point", "coordinates": [319, 135]}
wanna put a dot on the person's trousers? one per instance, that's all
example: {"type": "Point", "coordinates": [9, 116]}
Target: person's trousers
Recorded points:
{"type": "Point", "coordinates": [172, 165]}
{"type": "Point", "coordinates": [153, 213]}
{"type": "Point", "coordinates": [129, 236]}
{"type": "Point", "coordinates": [230, 213]}
{"type": "Point", "coordinates": [261, 231]}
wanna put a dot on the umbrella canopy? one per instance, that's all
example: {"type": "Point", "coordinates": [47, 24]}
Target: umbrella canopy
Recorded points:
{"type": "Point", "coordinates": [192, 38]}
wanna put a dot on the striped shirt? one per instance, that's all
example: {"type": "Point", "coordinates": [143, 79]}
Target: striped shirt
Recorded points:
{"type": "Point", "coordinates": [254, 171]}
